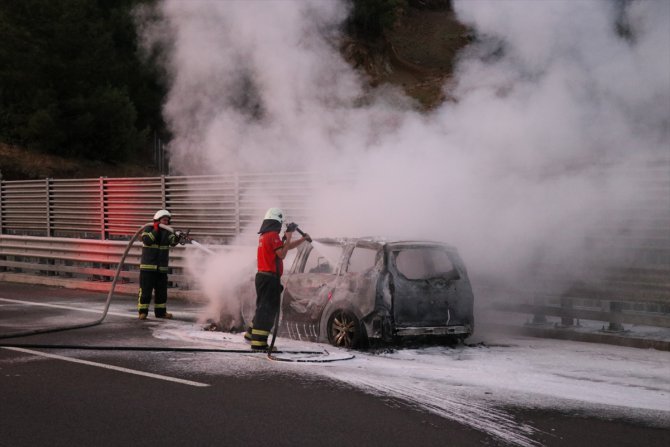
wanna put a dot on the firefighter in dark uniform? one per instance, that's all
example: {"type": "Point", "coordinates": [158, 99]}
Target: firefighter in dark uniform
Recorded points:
{"type": "Point", "coordinates": [270, 254]}
{"type": "Point", "coordinates": [154, 266]}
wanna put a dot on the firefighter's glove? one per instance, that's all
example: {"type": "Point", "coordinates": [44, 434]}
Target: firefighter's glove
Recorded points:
{"type": "Point", "coordinates": [156, 226]}
{"type": "Point", "coordinates": [290, 228]}
{"type": "Point", "coordinates": [182, 238]}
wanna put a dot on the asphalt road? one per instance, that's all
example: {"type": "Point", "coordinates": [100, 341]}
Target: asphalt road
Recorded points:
{"type": "Point", "coordinates": [84, 397]}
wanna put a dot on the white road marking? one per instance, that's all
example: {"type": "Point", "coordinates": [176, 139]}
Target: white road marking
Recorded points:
{"type": "Point", "coordinates": [60, 306]}
{"type": "Point", "coordinates": [102, 365]}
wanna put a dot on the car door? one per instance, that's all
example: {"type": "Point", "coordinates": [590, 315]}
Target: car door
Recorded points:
{"type": "Point", "coordinates": [357, 288]}
{"type": "Point", "coordinates": [308, 288]}
{"type": "Point", "coordinates": [423, 285]}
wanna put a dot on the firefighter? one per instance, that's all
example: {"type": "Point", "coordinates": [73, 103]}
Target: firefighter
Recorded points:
{"type": "Point", "coordinates": [154, 266]}
{"type": "Point", "coordinates": [270, 254]}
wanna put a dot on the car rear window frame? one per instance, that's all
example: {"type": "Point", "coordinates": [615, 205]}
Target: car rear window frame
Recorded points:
{"type": "Point", "coordinates": [429, 275]}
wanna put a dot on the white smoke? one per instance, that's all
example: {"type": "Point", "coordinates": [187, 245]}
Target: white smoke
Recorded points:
{"type": "Point", "coordinates": [220, 275]}
{"type": "Point", "coordinates": [511, 172]}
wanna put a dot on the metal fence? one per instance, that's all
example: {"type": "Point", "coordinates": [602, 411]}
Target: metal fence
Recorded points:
{"type": "Point", "coordinates": [213, 207]}
{"type": "Point", "coordinates": [71, 232]}
{"type": "Point", "coordinates": [86, 264]}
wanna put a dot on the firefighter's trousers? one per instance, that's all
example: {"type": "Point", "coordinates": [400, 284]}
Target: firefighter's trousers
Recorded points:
{"type": "Point", "coordinates": [268, 296]}
{"type": "Point", "coordinates": [150, 282]}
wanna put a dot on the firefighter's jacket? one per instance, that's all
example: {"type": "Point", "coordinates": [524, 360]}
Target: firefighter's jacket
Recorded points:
{"type": "Point", "coordinates": [156, 249]}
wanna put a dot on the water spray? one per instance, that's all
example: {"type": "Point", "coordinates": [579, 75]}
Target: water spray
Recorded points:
{"type": "Point", "coordinates": [184, 238]}
{"type": "Point", "coordinates": [202, 247]}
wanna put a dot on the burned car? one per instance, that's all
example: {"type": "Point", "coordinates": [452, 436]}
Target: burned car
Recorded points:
{"type": "Point", "coordinates": [349, 292]}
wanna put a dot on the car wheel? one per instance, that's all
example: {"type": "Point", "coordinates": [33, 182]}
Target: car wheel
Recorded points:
{"type": "Point", "coordinates": [344, 330]}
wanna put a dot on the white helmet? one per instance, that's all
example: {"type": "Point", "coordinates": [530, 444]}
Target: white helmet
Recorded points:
{"type": "Point", "coordinates": [275, 214]}
{"type": "Point", "coordinates": [162, 213]}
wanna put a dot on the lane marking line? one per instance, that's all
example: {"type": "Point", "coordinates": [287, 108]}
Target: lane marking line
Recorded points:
{"type": "Point", "coordinates": [60, 306]}
{"type": "Point", "coordinates": [112, 367]}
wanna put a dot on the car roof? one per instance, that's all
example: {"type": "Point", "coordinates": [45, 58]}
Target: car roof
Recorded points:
{"type": "Point", "coordinates": [381, 241]}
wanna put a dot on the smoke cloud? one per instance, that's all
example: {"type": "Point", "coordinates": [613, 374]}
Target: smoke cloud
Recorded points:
{"type": "Point", "coordinates": [553, 101]}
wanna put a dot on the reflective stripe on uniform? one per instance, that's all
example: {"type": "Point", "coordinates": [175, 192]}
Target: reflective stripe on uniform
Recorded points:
{"type": "Point", "coordinates": [148, 267]}
{"type": "Point", "coordinates": [260, 332]}
{"type": "Point", "coordinates": [149, 234]}
{"type": "Point", "coordinates": [160, 306]}
{"type": "Point", "coordinates": [262, 343]}
{"type": "Point", "coordinates": [141, 306]}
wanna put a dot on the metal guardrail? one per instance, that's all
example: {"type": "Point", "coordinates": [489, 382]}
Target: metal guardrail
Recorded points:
{"type": "Point", "coordinates": [61, 254]}
{"type": "Point", "coordinates": [634, 288]}
{"type": "Point", "coordinates": [86, 263]}
{"type": "Point", "coordinates": [614, 304]}
{"type": "Point", "coordinates": [615, 316]}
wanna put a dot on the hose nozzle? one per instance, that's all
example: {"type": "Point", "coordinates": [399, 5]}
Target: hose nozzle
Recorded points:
{"type": "Point", "coordinates": [302, 233]}
{"type": "Point", "coordinates": [294, 227]}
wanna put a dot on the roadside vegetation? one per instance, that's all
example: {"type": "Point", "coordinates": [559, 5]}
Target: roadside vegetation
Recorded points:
{"type": "Point", "coordinates": [72, 86]}
{"type": "Point", "coordinates": [77, 100]}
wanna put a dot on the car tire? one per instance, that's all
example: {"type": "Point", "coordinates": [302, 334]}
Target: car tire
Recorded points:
{"type": "Point", "coordinates": [344, 330]}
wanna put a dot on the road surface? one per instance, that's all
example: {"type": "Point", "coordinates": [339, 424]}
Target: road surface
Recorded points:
{"type": "Point", "coordinates": [98, 389]}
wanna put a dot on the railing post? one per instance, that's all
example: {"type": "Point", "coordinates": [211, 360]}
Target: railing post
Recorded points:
{"type": "Point", "coordinates": [538, 317]}
{"type": "Point", "coordinates": [103, 223]}
{"type": "Point", "coordinates": [615, 317]}
{"type": "Point", "coordinates": [567, 319]}
{"type": "Point", "coordinates": [2, 192]}
{"type": "Point", "coordinates": [47, 214]}
{"type": "Point", "coordinates": [236, 179]}
{"type": "Point", "coordinates": [163, 193]}
{"type": "Point", "coordinates": [47, 219]}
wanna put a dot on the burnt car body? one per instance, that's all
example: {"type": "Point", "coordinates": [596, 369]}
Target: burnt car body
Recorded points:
{"type": "Point", "coordinates": [351, 291]}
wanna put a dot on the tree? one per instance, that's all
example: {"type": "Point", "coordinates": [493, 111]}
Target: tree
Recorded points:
{"type": "Point", "coordinates": [70, 80]}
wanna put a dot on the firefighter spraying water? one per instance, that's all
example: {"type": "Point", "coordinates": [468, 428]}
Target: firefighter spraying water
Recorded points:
{"type": "Point", "coordinates": [156, 244]}
{"type": "Point", "coordinates": [270, 256]}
